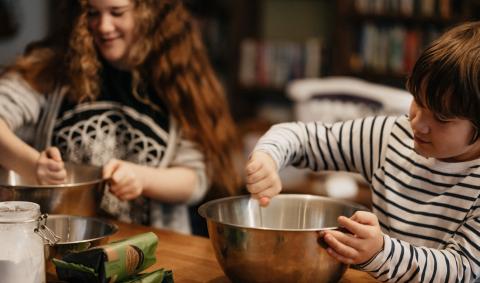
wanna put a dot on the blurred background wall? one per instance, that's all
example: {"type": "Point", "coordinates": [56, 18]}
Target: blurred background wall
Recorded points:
{"type": "Point", "coordinates": [22, 21]}
{"type": "Point", "coordinates": [259, 47]}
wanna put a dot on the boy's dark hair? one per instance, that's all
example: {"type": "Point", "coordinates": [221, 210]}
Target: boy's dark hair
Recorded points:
{"type": "Point", "coordinates": [446, 76]}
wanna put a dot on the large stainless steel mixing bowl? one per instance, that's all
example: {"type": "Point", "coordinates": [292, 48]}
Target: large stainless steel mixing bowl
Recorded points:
{"type": "Point", "coordinates": [79, 195]}
{"type": "Point", "coordinates": [278, 243]}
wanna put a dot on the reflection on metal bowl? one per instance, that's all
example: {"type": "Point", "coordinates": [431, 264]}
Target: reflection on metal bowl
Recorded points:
{"type": "Point", "coordinates": [278, 243]}
{"type": "Point", "coordinates": [80, 195]}
{"type": "Point", "coordinates": [76, 234]}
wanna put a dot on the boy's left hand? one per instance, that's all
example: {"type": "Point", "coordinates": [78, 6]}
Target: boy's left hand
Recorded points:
{"type": "Point", "coordinates": [124, 183]}
{"type": "Point", "coordinates": [365, 241]}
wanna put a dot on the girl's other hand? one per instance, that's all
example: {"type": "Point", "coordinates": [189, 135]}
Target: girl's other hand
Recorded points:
{"type": "Point", "coordinates": [124, 184]}
{"type": "Point", "coordinates": [365, 242]}
{"type": "Point", "coordinates": [263, 181]}
{"type": "Point", "coordinates": [50, 167]}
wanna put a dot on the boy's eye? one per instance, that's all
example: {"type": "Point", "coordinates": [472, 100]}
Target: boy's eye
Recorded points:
{"type": "Point", "coordinates": [442, 119]}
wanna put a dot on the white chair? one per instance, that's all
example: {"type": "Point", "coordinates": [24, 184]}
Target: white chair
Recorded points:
{"type": "Point", "coordinates": [334, 99]}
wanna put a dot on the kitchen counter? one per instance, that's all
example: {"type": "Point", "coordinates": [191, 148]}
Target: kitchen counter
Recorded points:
{"type": "Point", "coordinates": [192, 258]}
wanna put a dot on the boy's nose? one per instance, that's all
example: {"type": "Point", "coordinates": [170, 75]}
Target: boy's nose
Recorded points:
{"type": "Point", "coordinates": [419, 125]}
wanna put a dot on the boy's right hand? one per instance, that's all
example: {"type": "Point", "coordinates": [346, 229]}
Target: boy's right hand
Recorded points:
{"type": "Point", "coordinates": [263, 181]}
{"type": "Point", "coordinates": [50, 167]}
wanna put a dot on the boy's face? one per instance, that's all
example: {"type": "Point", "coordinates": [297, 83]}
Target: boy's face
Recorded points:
{"type": "Point", "coordinates": [444, 139]}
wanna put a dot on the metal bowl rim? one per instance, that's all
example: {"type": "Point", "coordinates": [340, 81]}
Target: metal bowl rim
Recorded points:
{"type": "Point", "coordinates": [60, 186]}
{"type": "Point", "coordinates": [202, 211]}
{"type": "Point", "coordinates": [114, 227]}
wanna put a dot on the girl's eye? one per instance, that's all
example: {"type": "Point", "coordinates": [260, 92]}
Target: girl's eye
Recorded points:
{"type": "Point", "coordinates": [118, 13]}
{"type": "Point", "coordinates": [92, 13]}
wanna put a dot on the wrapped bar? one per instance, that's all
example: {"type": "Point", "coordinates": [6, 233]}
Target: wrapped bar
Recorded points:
{"type": "Point", "coordinates": [114, 262]}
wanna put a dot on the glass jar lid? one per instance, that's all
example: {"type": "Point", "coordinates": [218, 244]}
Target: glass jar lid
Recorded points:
{"type": "Point", "coordinates": [18, 211]}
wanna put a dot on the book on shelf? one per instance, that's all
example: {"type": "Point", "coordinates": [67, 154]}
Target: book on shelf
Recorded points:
{"type": "Point", "coordinates": [410, 8]}
{"type": "Point", "coordinates": [391, 48]}
{"type": "Point", "coordinates": [274, 63]}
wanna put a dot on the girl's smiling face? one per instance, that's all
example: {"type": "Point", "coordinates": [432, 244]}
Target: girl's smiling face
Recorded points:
{"type": "Point", "coordinates": [441, 138]}
{"type": "Point", "coordinates": [112, 25]}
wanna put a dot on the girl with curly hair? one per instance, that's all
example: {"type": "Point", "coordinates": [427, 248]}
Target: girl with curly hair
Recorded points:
{"type": "Point", "coordinates": [127, 85]}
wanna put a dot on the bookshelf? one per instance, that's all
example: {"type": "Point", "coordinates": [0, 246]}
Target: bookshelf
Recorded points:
{"type": "Point", "coordinates": [258, 46]}
{"type": "Point", "coordinates": [380, 40]}
{"type": "Point", "coordinates": [289, 41]}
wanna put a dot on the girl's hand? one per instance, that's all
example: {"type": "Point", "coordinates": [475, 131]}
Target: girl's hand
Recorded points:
{"type": "Point", "coordinates": [50, 167]}
{"type": "Point", "coordinates": [124, 183]}
{"type": "Point", "coordinates": [366, 241]}
{"type": "Point", "coordinates": [263, 181]}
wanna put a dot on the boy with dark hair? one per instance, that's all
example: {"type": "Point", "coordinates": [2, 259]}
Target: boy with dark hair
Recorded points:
{"type": "Point", "coordinates": [423, 169]}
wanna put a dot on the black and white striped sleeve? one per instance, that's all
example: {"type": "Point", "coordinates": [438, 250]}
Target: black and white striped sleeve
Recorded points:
{"type": "Point", "coordinates": [459, 261]}
{"type": "Point", "coordinates": [355, 145]}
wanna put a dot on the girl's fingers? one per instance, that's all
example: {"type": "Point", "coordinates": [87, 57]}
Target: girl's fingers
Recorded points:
{"type": "Point", "coordinates": [55, 166]}
{"type": "Point", "coordinates": [53, 153]}
{"type": "Point", "coordinates": [110, 168]}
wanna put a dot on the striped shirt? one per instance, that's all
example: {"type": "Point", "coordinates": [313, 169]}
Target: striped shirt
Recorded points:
{"type": "Point", "coordinates": [428, 209]}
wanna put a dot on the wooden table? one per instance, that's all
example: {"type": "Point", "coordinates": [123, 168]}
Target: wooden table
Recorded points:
{"type": "Point", "coordinates": [192, 258]}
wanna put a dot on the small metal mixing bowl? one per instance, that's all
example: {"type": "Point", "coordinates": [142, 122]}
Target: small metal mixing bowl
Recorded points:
{"type": "Point", "coordinates": [76, 234]}
{"type": "Point", "coordinates": [79, 195]}
{"type": "Point", "coordinates": [277, 243]}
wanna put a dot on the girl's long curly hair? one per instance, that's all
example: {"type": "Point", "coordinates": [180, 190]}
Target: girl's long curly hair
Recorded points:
{"type": "Point", "coordinates": [170, 57]}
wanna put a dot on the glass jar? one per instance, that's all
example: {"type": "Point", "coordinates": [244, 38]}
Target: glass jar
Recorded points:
{"type": "Point", "coordinates": [22, 256]}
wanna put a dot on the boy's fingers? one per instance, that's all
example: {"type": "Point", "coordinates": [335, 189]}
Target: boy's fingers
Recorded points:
{"type": "Point", "coordinates": [346, 239]}
{"type": "Point", "coordinates": [270, 192]}
{"type": "Point", "coordinates": [339, 257]}
{"type": "Point", "coordinates": [365, 217]}
{"type": "Point", "coordinates": [264, 201]}
{"type": "Point", "coordinates": [253, 166]}
{"type": "Point", "coordinates": [257, 177]}
{"type": "Point", "coordinates": [353, 226]}
{"type": "Point", "coordinates": [260, 186]}
{"type": "Point", "coordinates": [339, 247]}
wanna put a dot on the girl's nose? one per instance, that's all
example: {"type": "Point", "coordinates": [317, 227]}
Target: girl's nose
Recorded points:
{"type": "Point", "coordinates": [105, 24]}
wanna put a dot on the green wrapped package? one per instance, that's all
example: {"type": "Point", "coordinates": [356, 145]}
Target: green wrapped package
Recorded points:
{"type": "Point", "coordinates": [111, 263]}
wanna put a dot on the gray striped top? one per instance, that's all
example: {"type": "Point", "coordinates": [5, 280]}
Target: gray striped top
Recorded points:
{"type": "Point", "coordinates": [32, 116]}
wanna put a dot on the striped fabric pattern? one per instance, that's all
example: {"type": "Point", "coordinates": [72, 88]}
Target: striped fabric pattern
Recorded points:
{"type": "Point", "coordinates": [427, 209]}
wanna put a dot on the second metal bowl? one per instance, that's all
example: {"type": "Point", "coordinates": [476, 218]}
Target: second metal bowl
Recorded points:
{"type": "Point", "coordinates": [79, 195]}
{"type": "Point", "coordinates": [278, 243]}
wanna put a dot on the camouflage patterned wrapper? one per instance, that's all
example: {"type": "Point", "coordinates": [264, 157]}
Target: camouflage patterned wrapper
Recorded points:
{"type": "Point", "coordinates": [110, 263]}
